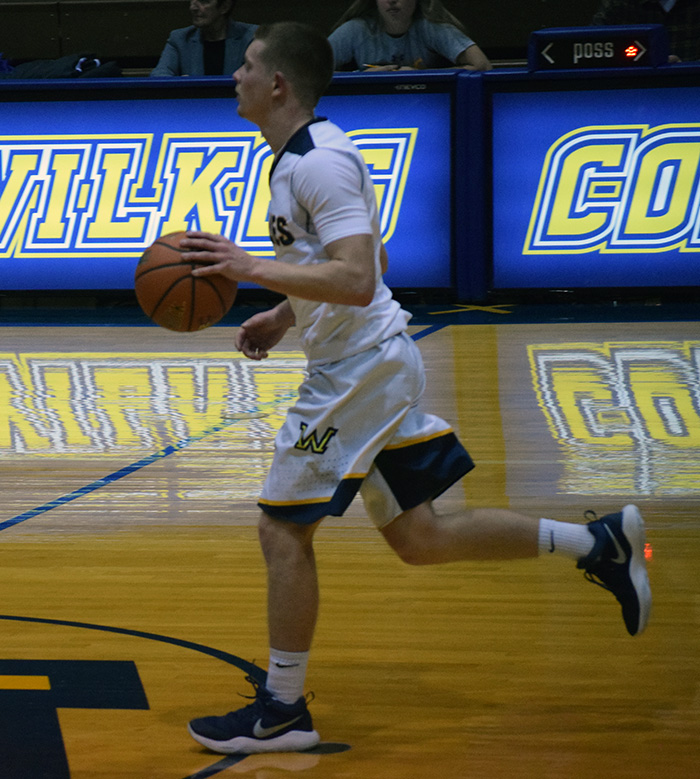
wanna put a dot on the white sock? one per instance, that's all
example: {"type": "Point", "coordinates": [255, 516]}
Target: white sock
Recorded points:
{"type": "Point", "coordinates": [566, 538]}
{"type": "Point", "coordinates": [286, 673]}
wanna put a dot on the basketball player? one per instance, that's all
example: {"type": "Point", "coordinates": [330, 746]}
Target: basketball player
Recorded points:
{"type": "Point", "coordinates": [356, 424]}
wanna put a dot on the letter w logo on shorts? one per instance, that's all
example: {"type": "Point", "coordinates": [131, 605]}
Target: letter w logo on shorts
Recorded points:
{"type": "Point", "coordinates": [312, 441]}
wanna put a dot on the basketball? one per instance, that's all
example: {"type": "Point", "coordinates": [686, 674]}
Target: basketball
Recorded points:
{"type": "Point", "coordinates": [171, 296]}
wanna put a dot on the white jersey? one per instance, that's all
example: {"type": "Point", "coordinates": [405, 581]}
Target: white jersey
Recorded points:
{"type": "Point", "coordinates": [321, 191]}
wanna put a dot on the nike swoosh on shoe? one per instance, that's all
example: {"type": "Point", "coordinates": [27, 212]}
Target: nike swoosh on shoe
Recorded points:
{"type": "Point", "coordinates": [621, 558]}
{"type": "Point", "coordinates": [260, 732]}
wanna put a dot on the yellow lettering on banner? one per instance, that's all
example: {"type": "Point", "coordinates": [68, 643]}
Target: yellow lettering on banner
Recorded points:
{"type": "Point", "coordinates": [106, 196]}
{"type": "Point", "coordinates": [378, 160]}
{"type": "Point", "coordinates": [105, 224]}
{"type": "Point", "coordinates": [674, 213]}
{"type": "Point", "coordinates": [53, 225]}
{"type": "Point", "coordinates": [257, 225]}
{"type": "Point", "coordinates": [562, 221]}
{"type": "Point", "coordinates": [193, 189]}
{"type": "Point", "coordinates": [21, 165]}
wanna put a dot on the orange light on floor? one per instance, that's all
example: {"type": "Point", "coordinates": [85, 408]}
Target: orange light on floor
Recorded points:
{"type": "Point", "coordinates": [648, 552]}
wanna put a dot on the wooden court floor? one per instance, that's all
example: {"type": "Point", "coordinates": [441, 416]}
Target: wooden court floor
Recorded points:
{"type": "Point", "coordinates": [133, 594]}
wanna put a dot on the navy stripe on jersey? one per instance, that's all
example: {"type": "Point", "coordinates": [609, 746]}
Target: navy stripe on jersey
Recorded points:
{"type": "Point", "coordinates": [300, 143]}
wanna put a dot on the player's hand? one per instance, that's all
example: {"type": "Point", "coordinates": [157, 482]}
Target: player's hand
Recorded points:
{"type": "Point", "coordinates": [260, 333]}
{"type": "Point", "coordinates": [216, 254]}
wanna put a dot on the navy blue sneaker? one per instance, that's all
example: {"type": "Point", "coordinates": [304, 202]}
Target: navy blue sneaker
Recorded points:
{"type": "Point", "coordinates": [266, 725]}
{"type": "Point", "coordinates": [617, 564]}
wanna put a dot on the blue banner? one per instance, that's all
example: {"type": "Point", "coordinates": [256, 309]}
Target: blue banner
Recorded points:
{"type": "Point", "coordinates": [596, 188]}
{"type": "Point", "coordinates": [86, 185]}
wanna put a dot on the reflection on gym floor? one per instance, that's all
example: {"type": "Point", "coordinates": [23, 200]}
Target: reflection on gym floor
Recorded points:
{"type": "Point", "coordinates": [134, 591]}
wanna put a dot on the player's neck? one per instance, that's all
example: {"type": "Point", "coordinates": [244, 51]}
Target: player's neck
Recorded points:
{"type": "Point", "coordinates": [281, 128]}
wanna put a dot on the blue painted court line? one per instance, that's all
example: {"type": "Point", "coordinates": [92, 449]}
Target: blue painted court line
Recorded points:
{"type": "Point", "coordinates": [428, 331]}
{"type": "Point", "coordinates": [120, 474]}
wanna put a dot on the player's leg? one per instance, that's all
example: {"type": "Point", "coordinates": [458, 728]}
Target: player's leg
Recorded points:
{"type": "Point", "coordinates": [278, 720]}
{"type": "Point", "coordinates": [422, 537]}
{"type": "Point", "coordinates": [344, 414]}
{"type": "Point", "coordinates": [610, 550]}
{"type": "Point", "coordinates": [292, 582]}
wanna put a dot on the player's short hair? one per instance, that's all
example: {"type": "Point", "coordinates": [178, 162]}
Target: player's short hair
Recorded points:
{"type": "Point", "coordinates": [302, 54]}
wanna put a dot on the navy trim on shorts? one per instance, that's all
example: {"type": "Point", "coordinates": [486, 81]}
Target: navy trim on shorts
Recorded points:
{"type": "Point", "coordinates": [422, 471]}
{"type": "Point", "coordinates": [308, 513]}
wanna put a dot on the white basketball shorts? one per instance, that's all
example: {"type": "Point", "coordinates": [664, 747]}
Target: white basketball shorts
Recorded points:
{"type": "Point", "coordinates": [356, 426]}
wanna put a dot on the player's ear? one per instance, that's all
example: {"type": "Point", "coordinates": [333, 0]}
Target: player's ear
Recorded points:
{"type": "Point", "coordinates": [280, 84]}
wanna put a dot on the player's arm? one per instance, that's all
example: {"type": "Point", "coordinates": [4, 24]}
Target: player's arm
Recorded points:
{"type": "Point", "coordinates": [383, 258]}
{"type": "Point", "coordinates": [348, 277]}
{"type": "Point", "coordinates": [328, 185]}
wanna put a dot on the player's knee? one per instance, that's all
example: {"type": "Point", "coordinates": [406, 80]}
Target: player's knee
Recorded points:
{"type": "Point", "coordinates": [410, 536]}
{"type": "Point", "coordinates": [411, 554]}
{"type": "Point", "coordinates": [278, 536]}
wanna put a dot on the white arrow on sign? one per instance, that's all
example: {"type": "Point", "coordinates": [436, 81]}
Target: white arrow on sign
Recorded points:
{"type": "Point", "coordinates": [545, 55]}
{"type": "Point", "coordinates": [642, 50]}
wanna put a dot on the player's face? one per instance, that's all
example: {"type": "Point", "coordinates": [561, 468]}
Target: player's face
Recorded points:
{"type": "Point", "coordinates": [396, 15]}
{"type": "Point", "coordinates": [254, 84]}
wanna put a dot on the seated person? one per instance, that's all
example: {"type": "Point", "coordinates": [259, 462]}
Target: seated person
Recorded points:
{"type": "Point", "coordinates": [213, 46]}
{"type": "Point", "coordinates": [403, 35]}
{"type": "Point", "coordinates": [680, 17]}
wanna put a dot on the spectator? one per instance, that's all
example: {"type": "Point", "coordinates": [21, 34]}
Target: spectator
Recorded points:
{"type": "Point", "coordinates": [403, 35]}
{"type": "Point", "coordinates": [214, 45]}
{"type": "Point", "coordinates": [680, 17]}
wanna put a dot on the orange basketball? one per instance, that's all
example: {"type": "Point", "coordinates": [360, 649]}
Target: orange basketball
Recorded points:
{"type": "Point", "coordinates": [171, 296]}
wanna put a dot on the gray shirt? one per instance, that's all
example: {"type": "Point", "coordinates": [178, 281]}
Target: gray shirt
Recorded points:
{"type": "Point", "coordinates": [359, 43]}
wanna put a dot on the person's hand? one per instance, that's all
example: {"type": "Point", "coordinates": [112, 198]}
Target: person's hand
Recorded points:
{"type": "Point", "coordinates": [216, 254]}
{"type": "Point", "coordinates": [261, 332]}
